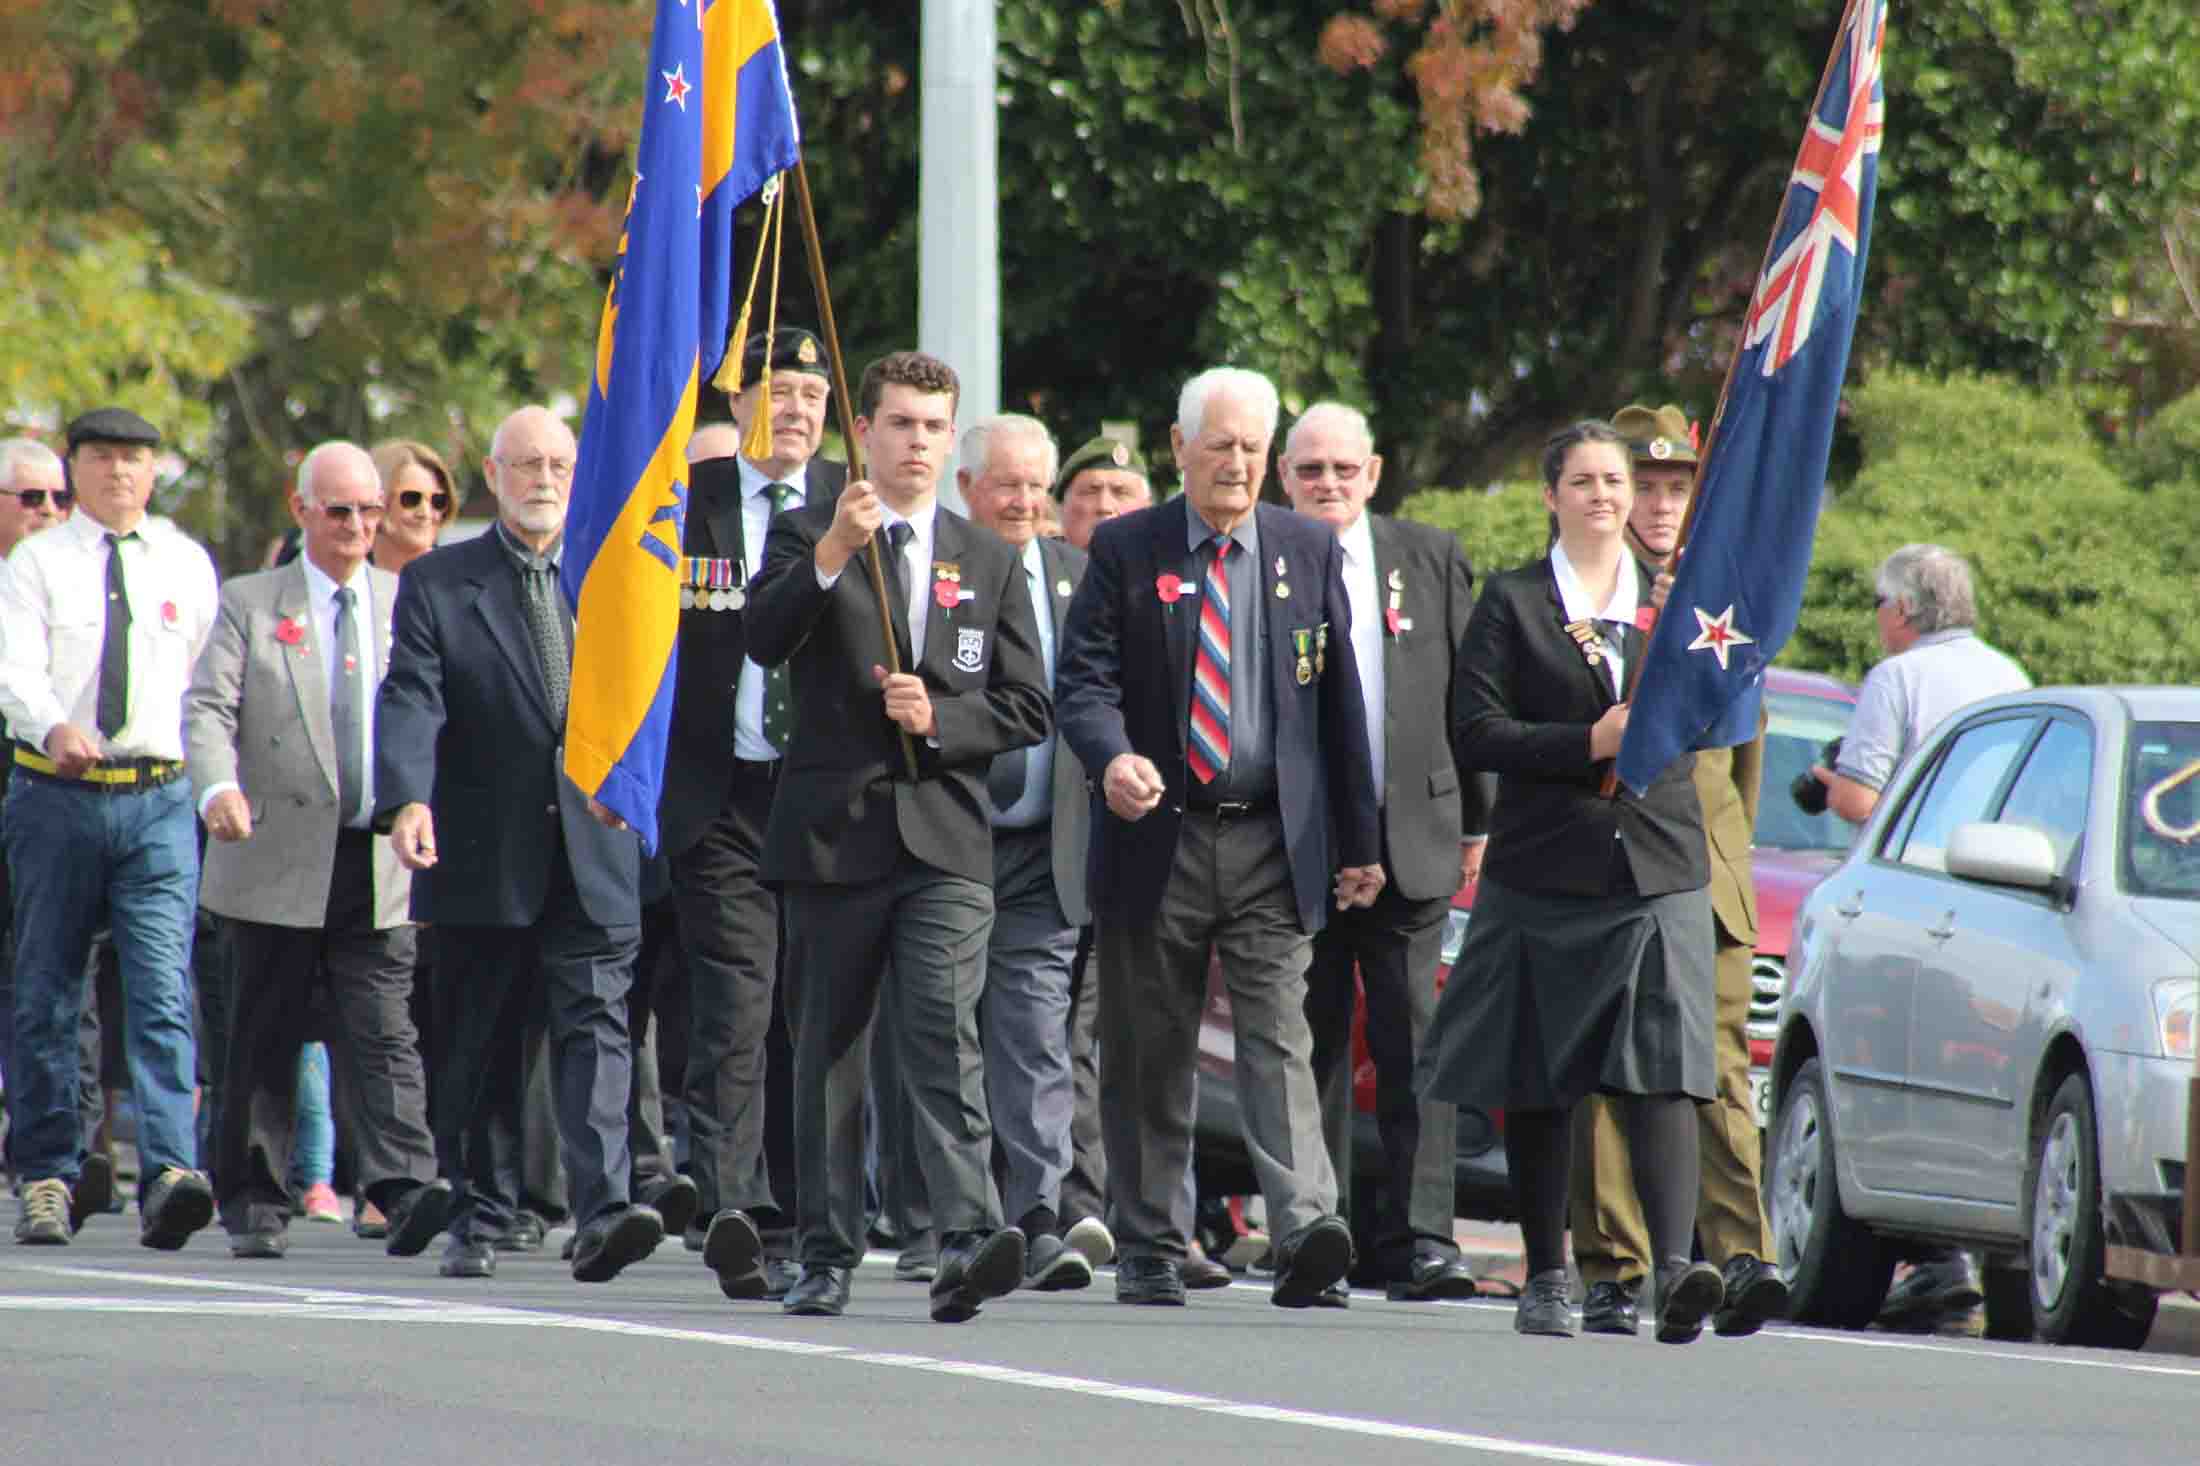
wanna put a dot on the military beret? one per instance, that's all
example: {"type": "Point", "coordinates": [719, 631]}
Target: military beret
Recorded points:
{"type": "Point", "coordinates": [112, 425]}
{"type": "Point", "coordinates": [1661, 435]}
{"type": "Point", "coordinates": [1099, 453]}
{"type": "Point", "coordinates": [791, 349]}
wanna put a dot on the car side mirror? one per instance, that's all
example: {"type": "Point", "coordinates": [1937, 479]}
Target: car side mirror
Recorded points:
{"type": "Point", "coordinates": [2004, 855]}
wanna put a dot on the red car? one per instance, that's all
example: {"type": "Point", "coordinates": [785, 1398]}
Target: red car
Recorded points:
{"type": "Point", "coordinates": [1793, 852]}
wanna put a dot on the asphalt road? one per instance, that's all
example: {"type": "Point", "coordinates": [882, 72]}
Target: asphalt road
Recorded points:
{"type": "Point", "coordinates": [339, 1353]}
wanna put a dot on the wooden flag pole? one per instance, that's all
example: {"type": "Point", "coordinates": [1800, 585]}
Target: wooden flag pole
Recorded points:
{"type": "Point", "coordinates": [871, 560]}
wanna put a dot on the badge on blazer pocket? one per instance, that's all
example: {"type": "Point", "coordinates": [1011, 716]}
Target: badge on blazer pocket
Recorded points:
{"type": "Point", "coordinates": [969, 649]}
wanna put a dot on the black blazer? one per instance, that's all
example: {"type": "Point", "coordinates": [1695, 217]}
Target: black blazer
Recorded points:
{"type": "Point", "coordinates": [1427, 805]}
{"type": "Point", "coordinates": [1123, 684]}
{"type": "Point", "coordinates": [1526, 698]}
{"type": "Point", "coordinates": [713, 645]}
{"type": "Point", "coordinates": [845, 809]}
{"type": "Point", "coordinates": [462, 724]}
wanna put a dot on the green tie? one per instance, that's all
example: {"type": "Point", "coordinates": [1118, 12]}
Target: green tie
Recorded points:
{"type": "Point", "coordinates": [778, 710]}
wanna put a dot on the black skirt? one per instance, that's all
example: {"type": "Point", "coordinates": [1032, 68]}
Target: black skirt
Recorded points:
{"type": "Point", "coordinates": [1556, 997]}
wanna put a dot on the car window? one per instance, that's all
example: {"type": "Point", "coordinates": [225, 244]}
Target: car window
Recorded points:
{"type": "Point", "coordinates": [2052, 789]}
{"type": "Point", "coordinates": [1797, 729]}
{"type": "Point", "coordinates": [2161, 837]}
{"type": "Point", "coordinates": [1963, 786]}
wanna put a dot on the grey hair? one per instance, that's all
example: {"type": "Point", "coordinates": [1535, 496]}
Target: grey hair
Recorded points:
{"type": "Point", "coordinates": [1335, 414]}
{"type": "Point", "coordinates": [977, 443]}
{"type": "Point", "coordinates": [1248, 387]}
{"type": "Point", "coordinates": [1933, 586]}
{"type": "Point", "coordinates": [334, 448]}
{"type": "Point", "coordinates": [17, 454]}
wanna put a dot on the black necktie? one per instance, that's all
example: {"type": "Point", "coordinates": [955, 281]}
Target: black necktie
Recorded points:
{"type": "Point", "coordinates": [114, 647]}
{"type": "Point", "coordinates": [345, 709]}
{"type": "Point", "coordinates": [778, 707]}
{"type": "Point", "coordinates": [548, 630]}
{"type": "Point", "coordinates": [898, 536]}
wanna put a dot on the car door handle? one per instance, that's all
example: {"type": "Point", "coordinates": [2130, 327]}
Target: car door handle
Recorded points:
{"type": "Point", "coordinates": [1854, 906]}
{"type": "Point", "coordinates": [1945, 930]}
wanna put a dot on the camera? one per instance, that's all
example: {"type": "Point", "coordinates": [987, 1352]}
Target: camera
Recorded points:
{"type": "Point", "coordinates": [1810, 795]}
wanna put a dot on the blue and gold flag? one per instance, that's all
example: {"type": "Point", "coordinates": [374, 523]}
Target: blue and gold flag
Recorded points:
{"type": "Point", "coordinates": [717, 123]}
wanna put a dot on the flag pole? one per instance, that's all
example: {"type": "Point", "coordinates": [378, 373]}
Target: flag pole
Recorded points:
{"type": "Point", "coordinates": [1726, 384]}
{"type": "Point", "coordinates": [816, 252]}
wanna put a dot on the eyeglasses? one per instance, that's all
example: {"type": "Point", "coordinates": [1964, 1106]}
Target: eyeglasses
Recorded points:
{"type": "Point", "coordinates": [36, 498]}
{"type": "Point", "coordinates": [1313, 472]}
{"type": "Point", "coordinates": [341, 512]}
{"type": "Point", "coordinates": [560, 469]}
{"type": "Point", "coordinates": [439, 501]}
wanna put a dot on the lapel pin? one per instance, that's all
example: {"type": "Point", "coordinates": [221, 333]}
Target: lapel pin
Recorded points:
{"type": "Point", "coordinates": [1062, 589]}
{"type": "Point", "coordinates": [1397, 579]}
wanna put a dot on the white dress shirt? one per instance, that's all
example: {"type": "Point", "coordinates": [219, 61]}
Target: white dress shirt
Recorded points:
{"type": "Point", "coordinates": [53, 619]}
{"type": "Point", "coordinates": [1363, 591]}
{"type": "Point", "coordinates": [916, 569]}
{"type": "Point", "coordinates": [1032, 805]}
{"type": "Point", "coordinates": [321, 596]}
{"type": "Point", "coordinates": [1626, 597]}
{"type": "Point", "coordinates": [749, 741]}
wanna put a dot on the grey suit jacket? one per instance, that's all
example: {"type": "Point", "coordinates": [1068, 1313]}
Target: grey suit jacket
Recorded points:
{"type": "Point", "coordinates": [1065, 568]}
{"type": "Point", "coordinates": [257, 716]}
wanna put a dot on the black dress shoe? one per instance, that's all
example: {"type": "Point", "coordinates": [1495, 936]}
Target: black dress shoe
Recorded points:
{"type": "Point", "coordinates": [1336, 1295]}
{"type": "Point", "coordinates": [1433, 1277]}
{"type": "Point", "coordinates": [267, 1244]}
{"type": "Point", "coordinates": [1051, 1267]}
{"type": "Point", "coordinates": [94, 1191]}
{"type": "Point", "coordinates": [1201, 1272]}
{"type": "Point", "coordinates": [464, 1259]}
{"type": "Point", "coordinates": [1152, 1281]}
{"type": "Point", "coordinates": [780, 1276]}
{"type": "Point", "coordinates": [1611, 1308]}
{"type": "Point", "coordinates": [674, 1198]}
{"type": "Point", "coordinates": [1545, 1307]}
{"type": "Point", "coordinates": [416, 1217]}
{"type": "Point", "coordinates": [975, 1273]}
{"type": "Point", "coordinates": [1687, 1294]}
{"type": "Point", "coordinates": [821, 1292]}
{"type": "Point", "coordinates": [614, 1241]}
{"type": "Point", "coordinates": [1755, 1294]}
{"type": "Point", "coordinates": [524, 1235]}
{"type": "Point", "coordinates": [1320, 1255]}
{"type": "Point", "coordinates": [734, 1250]}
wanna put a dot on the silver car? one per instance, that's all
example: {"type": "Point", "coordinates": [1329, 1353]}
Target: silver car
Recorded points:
{"type": "Point", "coordinates": [1989, 1024]}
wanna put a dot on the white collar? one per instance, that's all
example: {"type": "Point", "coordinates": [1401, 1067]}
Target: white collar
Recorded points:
{"type": "Point", "coordinates": [1626, 591]}
{"type": "Point", "coordinates": [1358, 541]}
{"type": "Point", "coordinates": [1034, 564]}
{"type": "Point", "coordinates": [921, 521]}
{"type": "Point", "coordinates": [321, 588]}
{"type": "Point", "coordinates": [754, 481]}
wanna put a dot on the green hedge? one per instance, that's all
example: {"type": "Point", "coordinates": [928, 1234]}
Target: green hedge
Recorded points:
{"type": "Point", "coordinates": [2083, 574]}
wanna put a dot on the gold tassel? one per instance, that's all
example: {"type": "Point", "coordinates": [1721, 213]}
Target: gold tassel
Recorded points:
{"type": "Point", "coordinates": [758, 445]}
{"type": "Point", "coordinates": [727, 379]}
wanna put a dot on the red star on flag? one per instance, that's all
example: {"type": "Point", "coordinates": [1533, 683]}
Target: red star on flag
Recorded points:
{"type": "Point", "coordinates": [676, 85]}
{"type": "Point", "coordinates": [1718, 635]}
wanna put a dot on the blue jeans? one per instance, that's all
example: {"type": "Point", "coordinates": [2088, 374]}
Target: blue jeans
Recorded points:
{"type": "Point", "coordinates": [81, 858]}
{"type": "Point", "coordinates": [313, 1152]}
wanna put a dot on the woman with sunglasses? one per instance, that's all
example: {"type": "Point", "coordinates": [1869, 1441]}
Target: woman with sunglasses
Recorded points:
{"type": "Point", "coordinates": [421, 500]}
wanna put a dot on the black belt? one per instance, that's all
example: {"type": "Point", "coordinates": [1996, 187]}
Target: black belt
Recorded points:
{"type": "Point", "coordinates": [765, 769]}
{"type": "Point", "coordinates": [1231, 809]}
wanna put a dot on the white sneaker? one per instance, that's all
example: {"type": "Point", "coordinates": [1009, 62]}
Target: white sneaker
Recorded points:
{"type": "Point", "coordinates": [1091, 1239]}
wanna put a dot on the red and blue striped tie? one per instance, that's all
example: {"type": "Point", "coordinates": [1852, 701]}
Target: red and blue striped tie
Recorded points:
{"type": "Point", "coordinates": [1209, 753]}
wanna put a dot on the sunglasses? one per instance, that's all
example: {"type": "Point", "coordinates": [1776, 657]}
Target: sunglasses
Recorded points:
{"type": "Point", "coordinates": [439, 501]}
{"type": "Point", "coordinates": [342, 512]}
{"type": "Point", "coordinates": [36, 498]}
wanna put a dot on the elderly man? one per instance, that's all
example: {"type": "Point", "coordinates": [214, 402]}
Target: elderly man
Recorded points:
{"type": "Point", "coordinates": [1208, 679]}
{"type": "Point", "coordinates": [1936, 664]}
{"type": "Point", "coordinates": [280, 746]}
{"type": "Point", "coordinates": [1611, 1240]}
{"type": "Point", "coordinates": [538, 906]}
{"type": "Point", "coordinates": [101, 618]}
{"type": "Point", "coordinates": [1042, 821]}
{"type": "Point", "coordinates": [1412, 591]}
{"type": "Point", "coordinates": [1100, 481]}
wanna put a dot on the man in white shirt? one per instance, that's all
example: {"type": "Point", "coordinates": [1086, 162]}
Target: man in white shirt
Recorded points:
{"type": "Point", "coordinates": [101, 618]}
{"type": "Point", "coordinates": [280, 734]}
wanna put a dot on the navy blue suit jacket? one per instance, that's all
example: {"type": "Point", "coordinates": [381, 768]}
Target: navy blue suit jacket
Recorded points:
{"type": "Point", "coordinates": [1123, 684]}
{"type": "Point", "coordinates": [463, 726]}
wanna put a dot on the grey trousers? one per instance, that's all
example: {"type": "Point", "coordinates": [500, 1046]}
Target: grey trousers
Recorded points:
{"type": "Point", "coordinates": [1229, 892]}
{"type": "Point", "coordinates": [1025, 1018]}
{"type": "Point", "coordinates": [1085, 1187]}
{"type": "Point", "coordinates": [916, 940]}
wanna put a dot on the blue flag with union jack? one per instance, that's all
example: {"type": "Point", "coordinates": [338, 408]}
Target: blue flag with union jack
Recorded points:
{"type": "Point", "coordinates": [717, 123]}
{"type": "Point", "coordinates": [1739, 587]}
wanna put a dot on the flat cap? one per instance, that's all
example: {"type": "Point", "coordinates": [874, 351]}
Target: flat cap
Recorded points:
{"type": "Point", "coordinates": [1098, 453]}
{"type": "Point", "coordinates": [790, 348]}
{"type": "Point", "coordinates": [112, 425]}
{"type": "Point", "coordinates": [1657, 435]}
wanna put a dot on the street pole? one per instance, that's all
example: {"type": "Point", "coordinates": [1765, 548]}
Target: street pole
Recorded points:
{"type": "Point", "coordinates": [958, 229]}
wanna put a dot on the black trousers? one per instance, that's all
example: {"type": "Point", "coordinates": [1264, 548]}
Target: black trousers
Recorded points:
{"type": "Point", "coordinates": [729, 928]}
{"type": "Point", "coordinates": [276, 980]}
{"type": "Point", "coordinates": [491, 981]}
{"type": "Point", "coordinates": [1392, 947]}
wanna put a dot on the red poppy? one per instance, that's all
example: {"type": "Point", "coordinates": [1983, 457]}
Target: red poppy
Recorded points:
{"type": "Point", "coordinates": [1391, 619]}
{"type": "Point", "coordinates": [290, 631]}
{"type": "Point", "coordinates": [946, 594]}
{"type": "Point", "coordinates": [1645, 617]}
{"type": "Point", "coordinates": [1168, 587]}
{"type": "Point", "coordinates": [168, 612]}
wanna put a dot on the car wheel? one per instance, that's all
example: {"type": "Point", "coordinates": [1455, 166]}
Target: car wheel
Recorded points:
{"type": "Point", "coordinates": [1836, 1270]}
{"type": "Point", "coordinates": [2072, 1303]}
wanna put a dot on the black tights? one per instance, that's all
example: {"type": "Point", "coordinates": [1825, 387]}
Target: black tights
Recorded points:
{"type": "Point", "coordinates": [1661, 1137]}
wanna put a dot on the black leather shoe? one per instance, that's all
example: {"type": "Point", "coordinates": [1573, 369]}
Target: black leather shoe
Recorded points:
{"type": "Point", "coordinates": [735, 1251]}
{"type": "Point", "coordinates": [268, 1244]}
{"type": "Point", "coordinates": [1755, 1295]}
{"type": "Point", "coordinates": [1433, 1277]}
{"type": "Point", "coordinates": [416, 1217]}
{"type": "Point", "coordinates": [524, 1235]}
{"type": "Point", "coordinates": [1051, 1267]}
{"type": "Point", "coordinates": [1611, 1308]}
{"type": "Point", "coordinates": [614, 1241]}
{"type": "Point", "coordinates": [1320, 1255]}
{"type": "Point", "coordinates": [1201, 1272]}
{"type": "Point", "coordinates": [1152, 1281]}
{"type": "Point", "coordinates": [173, 1207]}
{"type": "Point", "coordinates": [975, 1273]}
{"type": "Point", "coordinates": [1545, 1307]}
{"type": "Point", "coordinates": [674, 1198]}
{"type": "Point", "coordinates": [1336, 1295]}
{"type": "Point", "coordinates": [464, 1259]}
{"type": "Point", "coordinates": [780, 1275]}
{"type": "Point", "coordinates": [821, 1292]}
{"type": "Point", "coordinates": [1687, 1293]}
{"type": "Point", "coordinates": [94, 1191]}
